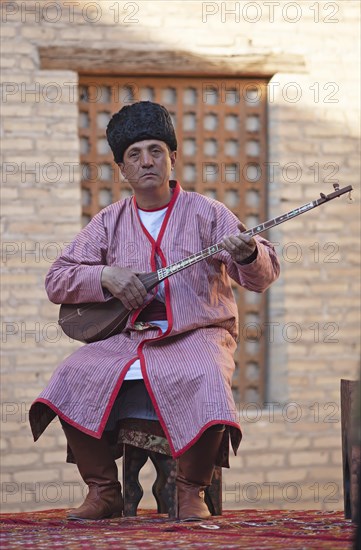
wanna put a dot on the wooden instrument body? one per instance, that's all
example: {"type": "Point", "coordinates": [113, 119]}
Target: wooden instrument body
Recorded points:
{"type": "Point", "coordinates": [93, 321]}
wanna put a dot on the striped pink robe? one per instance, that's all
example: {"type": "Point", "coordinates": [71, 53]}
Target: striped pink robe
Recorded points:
{"type": "Point", "coordinates": [188, 370]}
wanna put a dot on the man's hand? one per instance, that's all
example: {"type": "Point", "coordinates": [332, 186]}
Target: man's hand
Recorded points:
{"type": "Point", "coordinates": [240, 247]}
{"type": "Point", "coordinates": [124, 284]}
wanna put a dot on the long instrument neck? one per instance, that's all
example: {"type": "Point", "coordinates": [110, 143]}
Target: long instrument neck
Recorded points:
{"type": "Point", "coordinates": [151, 280]}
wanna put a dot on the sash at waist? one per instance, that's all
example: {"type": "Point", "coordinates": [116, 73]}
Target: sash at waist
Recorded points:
{"type": "Point", "coordinates": [155, 311]}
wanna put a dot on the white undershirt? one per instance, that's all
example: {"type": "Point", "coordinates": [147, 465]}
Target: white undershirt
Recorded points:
{"type": "Point", "coordinates": [152, 221]}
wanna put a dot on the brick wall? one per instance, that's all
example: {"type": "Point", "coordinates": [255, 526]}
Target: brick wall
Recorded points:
{"type": "Point", "coordinates": [291, 454]}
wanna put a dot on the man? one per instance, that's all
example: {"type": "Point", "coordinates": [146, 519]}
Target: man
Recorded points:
{"type": "Point", "coordinates": [174, 360]}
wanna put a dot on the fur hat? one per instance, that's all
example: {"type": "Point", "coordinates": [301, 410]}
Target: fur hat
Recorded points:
{"type": "Point", "coordinates": [139, 121]}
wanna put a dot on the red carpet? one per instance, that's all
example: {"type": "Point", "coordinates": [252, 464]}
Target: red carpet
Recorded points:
{"type": "Point", "coordinates": [248, 529]}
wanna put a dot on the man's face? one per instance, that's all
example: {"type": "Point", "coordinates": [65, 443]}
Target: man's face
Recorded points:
{"type": "Point", "coordinates": [147, 164]}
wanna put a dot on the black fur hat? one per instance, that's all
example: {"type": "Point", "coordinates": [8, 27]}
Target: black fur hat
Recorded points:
{"type": "Point", "coordinates": [139, 121]}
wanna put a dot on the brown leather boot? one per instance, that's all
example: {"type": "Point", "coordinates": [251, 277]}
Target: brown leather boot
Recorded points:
{"type": "Point", "coordinates": [195, 472]}
{"type": "Point", "coordinates": [99, 471]}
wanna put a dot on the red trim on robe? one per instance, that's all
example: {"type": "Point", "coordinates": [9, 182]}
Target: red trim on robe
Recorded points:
{"type": "Point", "coordinates": [156, 249]}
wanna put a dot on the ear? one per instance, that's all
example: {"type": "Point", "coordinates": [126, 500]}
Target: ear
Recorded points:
{"type": "Point", "coordinates": [122, 171]}
{"type": "Point", "coordinates": [121, 168]}
{"type": "Point", "coordinates": [173, 158]}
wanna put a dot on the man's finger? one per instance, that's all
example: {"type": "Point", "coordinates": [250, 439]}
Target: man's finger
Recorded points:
{"type": "Point", "coordinates": [125, 302]}
{"type": "Point", "coordinates": [135, 298]}
{"type": "Point", "coordinates": [239, 242]}
{"type": "Point", "coordinates": [140, 287]}
{"type": "Point", "coordinates": [242, 227]}
{"type": "Point", "coordinates": [138, 284]}
{"type": "Point", "coordinates": [245, 238]}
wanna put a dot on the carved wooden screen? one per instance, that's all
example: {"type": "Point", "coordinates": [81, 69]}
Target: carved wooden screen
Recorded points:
{"type": "Point", "coordinates": [222, 153]}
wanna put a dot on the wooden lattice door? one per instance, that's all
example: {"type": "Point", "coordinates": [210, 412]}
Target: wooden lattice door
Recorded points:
{"type": "Point", "coordinates": [222, 153]}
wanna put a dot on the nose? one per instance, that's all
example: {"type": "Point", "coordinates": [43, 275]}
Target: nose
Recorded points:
{"type": "Point", "coordinates": [146, 159]}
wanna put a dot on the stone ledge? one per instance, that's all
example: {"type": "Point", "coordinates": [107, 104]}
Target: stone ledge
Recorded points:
{"type": "Point", "coordinates": [177, 63]}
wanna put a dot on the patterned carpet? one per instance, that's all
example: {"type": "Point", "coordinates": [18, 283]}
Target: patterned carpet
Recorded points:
{"type": "Point", "coordinates": [248, 529]}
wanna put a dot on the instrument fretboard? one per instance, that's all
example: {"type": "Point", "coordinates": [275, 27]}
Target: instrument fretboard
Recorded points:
{"type": "Point", "coordinates": [165, 272]}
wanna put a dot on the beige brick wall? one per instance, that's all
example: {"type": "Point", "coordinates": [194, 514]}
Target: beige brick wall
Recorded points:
{"type": "Point", "coordinates": [291, 455]}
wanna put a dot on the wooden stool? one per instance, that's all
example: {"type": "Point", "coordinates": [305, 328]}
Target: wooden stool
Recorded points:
{"type": "Point", "coordinates": [351, 448]}
{"type": "Point", "coordinates": [143, 439]}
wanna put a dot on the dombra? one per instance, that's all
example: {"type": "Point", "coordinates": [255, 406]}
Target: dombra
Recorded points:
{"type": "Point", "coordinates": [93, 321]}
